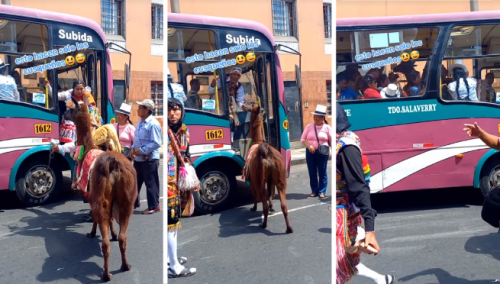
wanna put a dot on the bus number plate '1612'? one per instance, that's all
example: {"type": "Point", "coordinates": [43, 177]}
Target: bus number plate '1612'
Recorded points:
{"type": "Point", "coordinates": [43, 128]}
{"type": "Point", "coordinates": [215, 134]}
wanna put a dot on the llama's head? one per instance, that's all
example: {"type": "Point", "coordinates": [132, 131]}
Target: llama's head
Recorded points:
{"type": "Point", "coordinates": [257, 116]}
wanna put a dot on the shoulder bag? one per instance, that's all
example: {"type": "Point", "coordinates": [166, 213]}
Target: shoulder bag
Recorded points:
{"type": "Point", "coordinates": [322, 149]}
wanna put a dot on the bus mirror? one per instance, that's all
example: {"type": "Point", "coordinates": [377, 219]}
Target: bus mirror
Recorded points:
{"type": "Point", "coordinates": [297, 76]}
{"type": "Point", "coordinates": [127, 75]}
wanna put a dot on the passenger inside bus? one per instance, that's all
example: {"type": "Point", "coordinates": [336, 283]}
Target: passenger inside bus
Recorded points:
{"type": "Point", "coordinates": [8, 87]}
{"type": "Point", "coordinates": [382, 81]}
{"type": "Point", "coordinates": [414, 87]}
{"type": "Point", "coordinates": [370, 90]}
{"type": "Point", "coordinates": [193, 98]}
{"type": "Point", "coordinates": [346, 92]}
{"type": "Point", "coordinates": [463, 87]}
{"type": "Point", "coordinates": [488, 93]}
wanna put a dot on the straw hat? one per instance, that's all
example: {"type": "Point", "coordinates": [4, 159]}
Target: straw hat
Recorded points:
{"type": "Point", "coordinates": [320, 110]}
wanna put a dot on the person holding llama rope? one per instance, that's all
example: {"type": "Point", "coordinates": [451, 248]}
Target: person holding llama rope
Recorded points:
{"type": "Point", "coordinates": [353, 207]}
{"type": "Point", "coordinates": [178, 155]}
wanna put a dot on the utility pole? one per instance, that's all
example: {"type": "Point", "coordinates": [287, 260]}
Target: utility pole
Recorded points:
{"type": "Point", "coordinates": [474, 7]}
{"type": "Point", "coordinates": [6, 2]}
{"type": "Point", "coordinates": [174, 6]}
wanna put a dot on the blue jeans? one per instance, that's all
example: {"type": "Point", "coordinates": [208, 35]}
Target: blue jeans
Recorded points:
{"type": "Point", "coordinates": [317, 165]}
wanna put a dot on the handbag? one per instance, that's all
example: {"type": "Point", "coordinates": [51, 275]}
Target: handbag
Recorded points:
{"type": "Point", "coordinates": [322, 149]}
{"type": "Point", "coordinates": [490, 213]}
{"type": "Point", "coordinates": [187, 179]}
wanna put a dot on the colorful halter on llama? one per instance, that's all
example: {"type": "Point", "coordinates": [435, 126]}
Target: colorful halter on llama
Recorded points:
{"type": "Point", "coordinates": [84, 169]}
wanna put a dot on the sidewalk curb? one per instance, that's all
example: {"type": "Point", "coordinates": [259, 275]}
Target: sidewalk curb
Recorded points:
{"type": "Point", "coordinates": [302, 161]}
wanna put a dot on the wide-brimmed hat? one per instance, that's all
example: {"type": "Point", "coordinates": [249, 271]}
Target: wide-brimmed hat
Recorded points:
{"type": "Point", "coordinates": [147, 103]}
{"type": "Point", "coordinates": [458, 63]}
{"type": "Point", "coordinates": [124, 109]}
{"type": "Point", "coordinates": [320, 110]}
{"type": "Point", "coordinates": [3, 64]}
{"type": "Point", "coordinates": [391, 91]}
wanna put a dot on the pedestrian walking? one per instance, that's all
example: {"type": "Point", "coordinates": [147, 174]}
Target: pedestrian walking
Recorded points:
{"type": "Point", "coordinates": [178, 148]}
{"type": "Point", "coordinates": [353, 207]}
{"type": "Point", "coordinates": [125, 129]}
{"type": "Point", "coordinates": [317, 138]}
{"type": "Point", "coordinates": [146, 155]}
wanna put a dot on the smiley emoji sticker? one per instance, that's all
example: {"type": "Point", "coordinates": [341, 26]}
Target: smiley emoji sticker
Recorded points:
{"type": "Point", "coordinates": [80, 58]}
{"type": "Point", "coordinates": [414, 54]}
{"type": "Point", "coordinates": [240, 59]}
{"type": "Point", "coordinates": [405, 57]}
{"type": "Point", "coordinates": [250, 56]}
{"type": "Point", "coordinates": [70, 60]}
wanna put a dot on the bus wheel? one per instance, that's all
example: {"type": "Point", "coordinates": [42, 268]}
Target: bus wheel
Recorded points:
{"type": "Point", "coordinates": [217, 188]}
{"type": "Point", "coordinates": [490, 175]}
{"type": "Point", "coordinates": [37, 185]}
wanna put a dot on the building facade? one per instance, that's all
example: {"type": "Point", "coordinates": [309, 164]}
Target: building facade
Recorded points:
{"type": "Point", "coordinates": [304, 25]}
{"type": "Point", "coordinates": [136, 25]}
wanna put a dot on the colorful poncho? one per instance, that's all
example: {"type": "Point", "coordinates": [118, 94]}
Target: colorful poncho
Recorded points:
{"type": "Point", "coordinates": [179, 203]}
{"type": "Point", "coordinates": [84, 168]}
{"type": "Point", "coordinates": [348, 216]}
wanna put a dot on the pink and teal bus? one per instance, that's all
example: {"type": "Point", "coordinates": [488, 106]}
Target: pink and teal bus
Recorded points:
{"type": "Point", "coordinates": [414, 139]}
{"type": "Point", "coordinates": [218, 155]}
{"type": "Point", "coordinates": [36, 45]}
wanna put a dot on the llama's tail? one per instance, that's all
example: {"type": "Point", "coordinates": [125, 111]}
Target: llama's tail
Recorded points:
{"type": "Point", "coordinates": [101, 185]}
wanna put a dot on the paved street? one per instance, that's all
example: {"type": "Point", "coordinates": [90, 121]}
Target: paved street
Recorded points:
{"type": "Point", "coordinates": [434, 237]}
{"type": "Point", "coordinates": [48, 244]}
{"type": "Point", "coordinates": [229, 247]}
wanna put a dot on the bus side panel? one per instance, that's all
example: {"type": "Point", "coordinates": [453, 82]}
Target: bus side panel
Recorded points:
{"type": "Point", "coordinates": [8, 160]}
{"type": "Point", "coordinates": [111, 113]}
{"type": "Point", "coordinates": [286, 152]}
{"type": "Point", "coordinates": [424, 155]}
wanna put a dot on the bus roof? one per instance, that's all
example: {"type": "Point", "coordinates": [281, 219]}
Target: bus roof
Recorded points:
{"type": "Point", "coordinates": [420, 19]}
{"type": "Point", "coordinates": [222, 22]}
{"type": "Point", "coordinates": [53, 16]}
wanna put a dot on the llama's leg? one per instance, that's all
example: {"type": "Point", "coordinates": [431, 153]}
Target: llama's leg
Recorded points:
{"type": "Point", "coordinates": [94, 227]}
{"type": "Point", "coordinates": [106, 248]}
{"type": "Point", "coordinates": [270, 190]}
{"type": "Point", "coordinates": [255, 197]}
{"type": "Point", "coordinates": [284, 208]}
{"type": "Point", "coordinates": [114, 237]}
{"type": "Point", "coordinates": [265, 206]}
{"type": "Point", "coordinates": [122, 239]}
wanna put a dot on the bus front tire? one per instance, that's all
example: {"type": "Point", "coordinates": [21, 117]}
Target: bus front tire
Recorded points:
{"type": "Point", "coordinates": [217, 189]}
{"type": "Point", "coordinates": [490, 169]}
{"type": "Point", "coordinates": [38, 186]}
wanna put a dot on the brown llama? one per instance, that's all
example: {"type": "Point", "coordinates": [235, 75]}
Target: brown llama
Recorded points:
{"type": "Point", "coordinates": [265, 166]}
{"type": "Point", "coordinates": [112, 188]}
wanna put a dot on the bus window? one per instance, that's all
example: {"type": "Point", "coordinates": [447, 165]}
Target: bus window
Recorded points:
{"type": "Point", "coordinates": [377, 64]}
{"type": "Point", "coordinates": [188, 55]}
{"type": "Point", "coordinates": [21, 46]}
{"type": "Point", "coordinates": [470, 52]}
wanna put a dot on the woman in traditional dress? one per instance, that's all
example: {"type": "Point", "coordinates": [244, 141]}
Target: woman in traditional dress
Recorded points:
{"type": "Point", "coordinates": [177, 148]}
{"type": "Point", "coordinates": [353, 205]}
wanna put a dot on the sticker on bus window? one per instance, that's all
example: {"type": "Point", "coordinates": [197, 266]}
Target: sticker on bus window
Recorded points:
{"type": "Point", "coordinates": [43, 128]}
{"type": "Point", "coordinates": [214, 134]}
{"type": "Point", "coordinates": [208, 104]}
{"type": "Point", "coordinates": [38, 98]}
{"type": "Point", "coordinates": [285, 124]}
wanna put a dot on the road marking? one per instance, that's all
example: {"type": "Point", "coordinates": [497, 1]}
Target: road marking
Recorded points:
{"type": "Point", "coordinates": [290, 210]}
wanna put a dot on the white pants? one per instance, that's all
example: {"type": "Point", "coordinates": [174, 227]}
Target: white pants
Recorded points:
{"type": "Point", "coordinates": [172, 252]}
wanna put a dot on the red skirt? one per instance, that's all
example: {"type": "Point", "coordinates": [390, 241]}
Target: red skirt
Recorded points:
{"type": "Point", "coordinates": [346, 231]}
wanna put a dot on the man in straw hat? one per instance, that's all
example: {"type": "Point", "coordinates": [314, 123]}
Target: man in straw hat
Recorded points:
{"type": "Point", "coordinates": [8, 86]}
{"type": "Point", "coordinates": [146, 154]}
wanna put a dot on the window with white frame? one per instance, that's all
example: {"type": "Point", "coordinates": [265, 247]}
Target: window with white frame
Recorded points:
{"type": "Point", "coordinates": [157, 21]}
{"type": "Point", "coordinates": [327, 19]}
{"type": "Point", "coordinates": [157, 97]}
{"type": "Point", "coordinates": [284, 18]}
{"type": "Point", "coordinates": [113, 17]}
